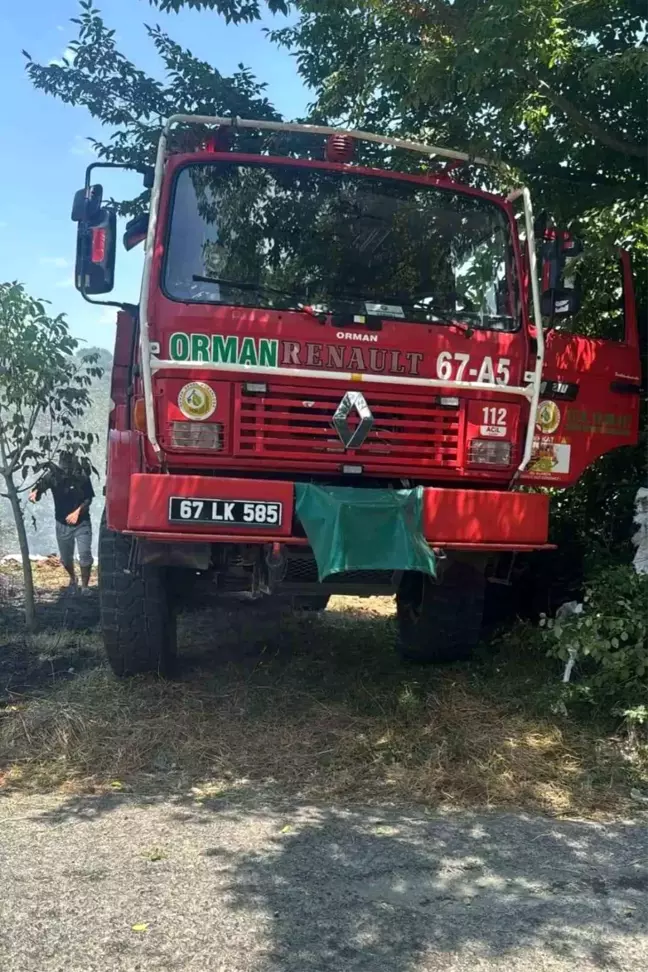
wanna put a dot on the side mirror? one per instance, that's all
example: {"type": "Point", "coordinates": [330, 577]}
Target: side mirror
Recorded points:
{"type": "Point", "coordinates": [86, 205]}
{"type": "Point", "coordinates": [560, 290]}
{"type": "Point", "coordinates": [94, 271]}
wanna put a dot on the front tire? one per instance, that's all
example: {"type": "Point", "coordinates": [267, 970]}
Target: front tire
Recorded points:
{"type": "Point", "coordinates": [439, 623]}
{"type": "Point", "coordinates": [137, 617]}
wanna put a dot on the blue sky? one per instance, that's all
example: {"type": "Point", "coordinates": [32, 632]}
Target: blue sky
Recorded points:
{"type": "Point", "coordinates": [44, 150]}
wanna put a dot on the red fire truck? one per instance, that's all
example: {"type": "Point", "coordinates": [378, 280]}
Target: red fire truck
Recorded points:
{"type": "Point", "coordinates": [339, 379]}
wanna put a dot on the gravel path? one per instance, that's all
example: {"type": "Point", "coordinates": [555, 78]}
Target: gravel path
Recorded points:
{"type": "Point", "coordinates": [122, 884]}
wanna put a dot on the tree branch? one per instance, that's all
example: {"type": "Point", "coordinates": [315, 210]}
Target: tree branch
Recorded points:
{"type": "Point", "coordinates": [571, 111]}
{"type": "Point", "coordinates": [4, 469]}
{"type": "Point", "coordinates": [18, 451]}
{"type": "Point", "coordinates": [447, 17]}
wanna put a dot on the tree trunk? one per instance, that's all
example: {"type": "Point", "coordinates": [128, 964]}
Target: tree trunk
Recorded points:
{"type": "Point", "coordinates": [23, 543]}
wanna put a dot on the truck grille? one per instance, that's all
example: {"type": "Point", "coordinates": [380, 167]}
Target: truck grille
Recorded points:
{"type": "Point", "coordinates": [290, 422]}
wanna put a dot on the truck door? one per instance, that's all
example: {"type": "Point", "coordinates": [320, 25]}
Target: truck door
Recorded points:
{"type": "Point", "coordinates": [592, 385]}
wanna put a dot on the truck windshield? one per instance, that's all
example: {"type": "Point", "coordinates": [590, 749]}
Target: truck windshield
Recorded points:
{"type": "Point", "coordinates": [267, 235]}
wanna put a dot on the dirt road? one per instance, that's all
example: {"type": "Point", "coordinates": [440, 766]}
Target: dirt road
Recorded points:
{"type": "Point", "coordinates": [233, 884]}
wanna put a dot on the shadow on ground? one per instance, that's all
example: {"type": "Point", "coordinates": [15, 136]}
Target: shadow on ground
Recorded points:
{"type": "Point", "coordinates": [56, 606]}
{"type": "Point", "coordinates": [57, 650]}
{"type": "Point", "coordinates": [294, 887]}
{"type": "Point", "coordinates": [319, 705]}
{"type": "Point", "coordinates": [219, 834]}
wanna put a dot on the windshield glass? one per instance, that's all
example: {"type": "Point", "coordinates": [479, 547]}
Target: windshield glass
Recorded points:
{"type": "Point", "coordinates": [277, 236]}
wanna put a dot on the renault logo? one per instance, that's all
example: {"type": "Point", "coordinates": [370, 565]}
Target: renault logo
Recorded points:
{"type": "Point", "coordinates": [352, 436]}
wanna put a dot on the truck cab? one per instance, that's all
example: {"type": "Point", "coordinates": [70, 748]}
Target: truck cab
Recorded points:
{"type": "Point", "coordinates": [337, 381]}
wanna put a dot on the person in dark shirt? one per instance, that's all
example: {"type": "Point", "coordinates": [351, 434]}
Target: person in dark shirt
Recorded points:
{"type": "Point", "coordinates": [72, 493]}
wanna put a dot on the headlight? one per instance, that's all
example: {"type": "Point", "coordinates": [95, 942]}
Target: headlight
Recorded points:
{"type": "Point", "coordinates": [197, 436]}
{"type": "Point", "coordinates": [489, 452]}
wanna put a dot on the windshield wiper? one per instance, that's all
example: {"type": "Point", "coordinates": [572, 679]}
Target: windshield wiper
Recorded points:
{"type": "Point", "coordinates": [434, 316]}
{"type": "Point", "coordinates": [410, 302]}
{"type": "Point", "coordinates": [465, 321]}
{"type": "Point", "coordinates": [259, 288]}
{"type": "Point", "coordinates": [242, 285]}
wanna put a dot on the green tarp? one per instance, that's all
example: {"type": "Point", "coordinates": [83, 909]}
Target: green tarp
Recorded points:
{"type": "Point", "coordinates": [364, 529]}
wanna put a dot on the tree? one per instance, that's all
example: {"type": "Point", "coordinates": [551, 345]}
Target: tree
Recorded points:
{"type": "Point", "coordinates": [103, 358]}
{"type": "Point", "coordinates": [135, 105]}
{"type": "Point", "coordinates": [44, 390]}
{"type": "Point", "coordinates": [234, 11]}
{"type": "Point", "coordinates": [554, 88]}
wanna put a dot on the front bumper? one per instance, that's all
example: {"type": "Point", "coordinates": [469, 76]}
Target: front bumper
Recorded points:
{"type": "Point", "coordinates": [468, 519]}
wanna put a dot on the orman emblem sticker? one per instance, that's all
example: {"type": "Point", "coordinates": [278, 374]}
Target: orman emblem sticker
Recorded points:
{"type": "Point", "coordinates": [548, 418]}
{"type": "Point", "coordinates": [197, 401]}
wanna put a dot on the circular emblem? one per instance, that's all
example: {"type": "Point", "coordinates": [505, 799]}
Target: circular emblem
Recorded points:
{"type": "Point", "coordinates": [197, 401]}
{"type": "Point", "coordinates": [548, 418]}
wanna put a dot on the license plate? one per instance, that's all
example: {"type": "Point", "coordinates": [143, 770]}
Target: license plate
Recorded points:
{"type": "Point", "coordinates": [246, 513]}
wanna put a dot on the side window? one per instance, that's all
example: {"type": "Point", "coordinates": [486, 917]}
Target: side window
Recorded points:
{"type": "Point", "coordinates": [601, 314]}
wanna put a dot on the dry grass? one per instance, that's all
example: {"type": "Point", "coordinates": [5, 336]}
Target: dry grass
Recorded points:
{"type": "Point", "coordinates": [319, 706]}
{"type": "Point", "coordinates": [48, 573]}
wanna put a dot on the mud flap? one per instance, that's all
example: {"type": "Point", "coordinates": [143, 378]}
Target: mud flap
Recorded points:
{"type": "Point", "coordinates": [364, 529]}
